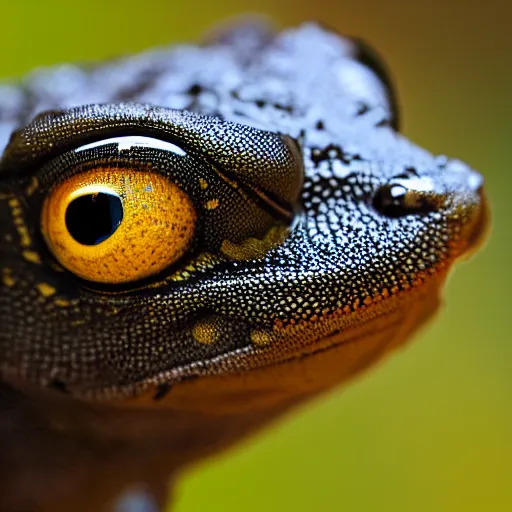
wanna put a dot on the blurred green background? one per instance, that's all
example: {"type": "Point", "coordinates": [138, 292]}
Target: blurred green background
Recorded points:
{"type": "Point", "coordinates": [431, 429]}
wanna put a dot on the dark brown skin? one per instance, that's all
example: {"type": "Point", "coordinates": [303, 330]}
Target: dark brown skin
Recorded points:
{"type": "Point", "coordinates": [321, 241]}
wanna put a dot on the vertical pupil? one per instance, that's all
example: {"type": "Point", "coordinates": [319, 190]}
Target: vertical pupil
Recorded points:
{"type": "Point", "coordinates": [93, 218]}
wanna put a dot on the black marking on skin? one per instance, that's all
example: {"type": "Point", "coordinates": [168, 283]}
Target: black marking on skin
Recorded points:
{"type": "Point", "coordinates": [162, 391]}
{"type": "Point", "coordinates": [189, 377]}
{"type": "Point", "coordinates": [195, 90]}
{"type": "Point", "coordinates": [383, 122]}
{"type": "Point", "coordinates": [402, 176]}
{"type": "Point", "coordinates": [59, 385]}
{"type": "Point", "coordinates": [332, 152]}
{"type": "Point", "coordinates": [363, 109]}
{"type": "Point", "coordinates": [411, 170]}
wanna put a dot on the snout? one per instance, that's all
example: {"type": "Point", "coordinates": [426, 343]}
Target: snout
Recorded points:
{"type": "Point", "coordinates": [469, 207]}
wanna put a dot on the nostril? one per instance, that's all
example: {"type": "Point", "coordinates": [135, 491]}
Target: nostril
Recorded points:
{"type": "Point", "coordinates": [396, 200]}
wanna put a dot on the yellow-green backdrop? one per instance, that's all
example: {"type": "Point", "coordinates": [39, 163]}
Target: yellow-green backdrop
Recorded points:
{"type": "Point", "coordinates": [431, 429]}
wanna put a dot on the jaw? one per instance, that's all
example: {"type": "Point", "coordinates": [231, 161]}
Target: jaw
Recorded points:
{"type": "Point", "coordinates": [328, 354]}
{"type": "Point", "coordinates": [206, 415]}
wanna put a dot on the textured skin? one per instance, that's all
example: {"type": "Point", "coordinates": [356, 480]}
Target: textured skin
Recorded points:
{"type": "Point", "coordinates": [171, 369]}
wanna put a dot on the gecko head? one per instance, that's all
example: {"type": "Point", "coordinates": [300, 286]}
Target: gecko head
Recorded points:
{"type": "Point", "coordinates": [274, 254]}
{"type": "Point", "coordinates": [143, 246]}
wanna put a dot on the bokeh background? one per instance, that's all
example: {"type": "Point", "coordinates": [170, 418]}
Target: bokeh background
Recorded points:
{"type": "Point", "coordinates": [431, 429]}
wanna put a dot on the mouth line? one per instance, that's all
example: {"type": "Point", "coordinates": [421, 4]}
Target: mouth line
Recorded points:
{"type": "Point", "coordinates": [311, 349]}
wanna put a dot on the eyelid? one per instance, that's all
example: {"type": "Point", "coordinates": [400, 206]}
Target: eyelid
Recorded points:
{"type": "Point", "coordinates": [272, 160]}
{"type": "Point", "coordinates": [244, 183]}
{"type": "Point", "coordinates": [236, 219]}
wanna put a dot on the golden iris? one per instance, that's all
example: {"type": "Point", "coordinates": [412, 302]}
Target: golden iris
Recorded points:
{"type": "Point", "coordinates": [117, 225]}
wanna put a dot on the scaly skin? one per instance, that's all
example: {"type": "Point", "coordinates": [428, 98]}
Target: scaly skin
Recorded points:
{"type": "Point", "coordinates": [323, 240]}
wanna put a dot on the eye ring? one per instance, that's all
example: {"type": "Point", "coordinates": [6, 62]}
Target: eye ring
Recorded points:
{"type": "Point", "coordinates": [155, 230]}
{"type": "Point", "coordinates": [242, 184]}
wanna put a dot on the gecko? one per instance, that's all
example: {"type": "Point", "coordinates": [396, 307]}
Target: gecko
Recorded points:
{"type": "Point", "coordinates": [196, 240]}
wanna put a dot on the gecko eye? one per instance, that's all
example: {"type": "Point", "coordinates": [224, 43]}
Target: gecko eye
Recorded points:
{"type": "Point", "coordinates": [160, 187]}
{"type": "Point", "coordinates": [117, 225]}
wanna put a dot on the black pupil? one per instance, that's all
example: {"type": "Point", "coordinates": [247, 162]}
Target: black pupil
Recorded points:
{"type": "Point", "coordinates": [93, 218]}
